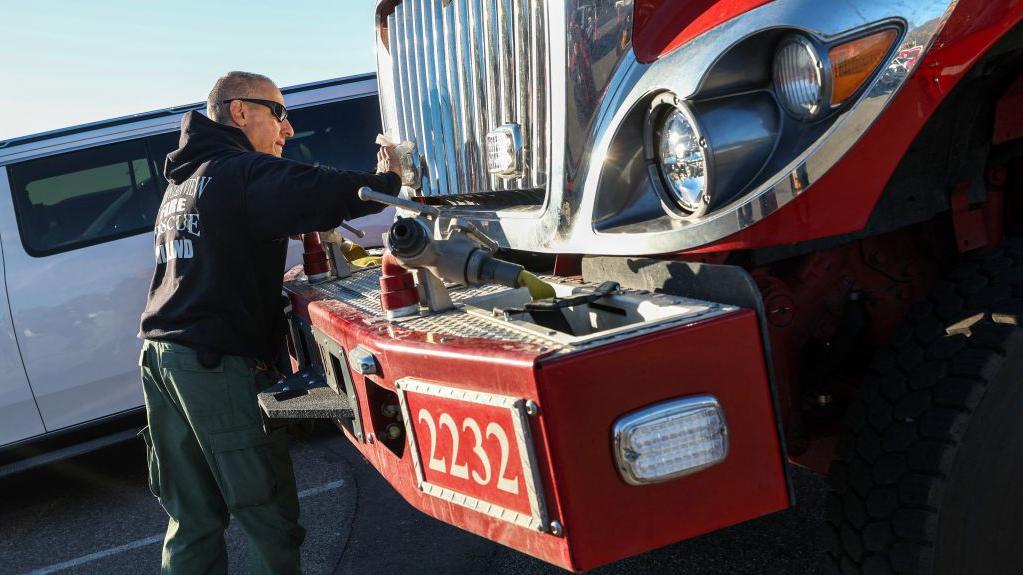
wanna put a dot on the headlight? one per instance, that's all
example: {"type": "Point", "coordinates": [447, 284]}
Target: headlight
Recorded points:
{"type": "Point", "coordinates": [682, 155]}
{"type": "Point", "coordinates": [801, 81]}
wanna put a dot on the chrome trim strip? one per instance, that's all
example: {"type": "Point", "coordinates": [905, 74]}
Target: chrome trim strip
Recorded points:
{"type": "Point", "coordinates": [538, 518]}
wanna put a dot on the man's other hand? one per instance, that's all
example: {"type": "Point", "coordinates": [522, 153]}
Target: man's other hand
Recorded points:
{"type": "Point", "coordinates": [387, 161]}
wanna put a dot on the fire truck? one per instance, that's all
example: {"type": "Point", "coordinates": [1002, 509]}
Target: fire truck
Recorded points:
{"type": "Point", "coordinates": [651, 253]}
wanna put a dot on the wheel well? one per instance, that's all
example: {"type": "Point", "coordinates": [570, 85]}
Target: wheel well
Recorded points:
{"type": "Point", "coordinates": [954, 145]}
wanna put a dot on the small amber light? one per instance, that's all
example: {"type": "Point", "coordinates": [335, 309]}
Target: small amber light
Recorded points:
{"type": "Point", "coordinates": [853, 62]}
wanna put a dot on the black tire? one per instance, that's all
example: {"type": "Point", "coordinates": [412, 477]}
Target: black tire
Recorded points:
{"type": "Point", "coordinates": [930, 474]}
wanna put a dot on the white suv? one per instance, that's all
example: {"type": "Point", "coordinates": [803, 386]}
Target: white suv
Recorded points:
{"type": "Point", "coordinates": [76, 216]}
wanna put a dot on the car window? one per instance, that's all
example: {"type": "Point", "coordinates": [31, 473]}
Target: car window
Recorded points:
{"type": "Point", "coordinates": [340, 134]}
{"type": "Point", "coordinates": [85, 197]}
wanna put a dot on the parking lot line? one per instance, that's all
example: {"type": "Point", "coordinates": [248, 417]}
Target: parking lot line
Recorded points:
{"type": "Point", "coordinates": [157, 538]}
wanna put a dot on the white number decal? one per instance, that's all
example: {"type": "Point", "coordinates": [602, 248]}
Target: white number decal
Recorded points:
{"type": "Point", "coordinates": [509, 485]}
{"type": "Point", "coordinates": [460, 471]}
{"type": "Point", "coordinates": [436, 463]}
{"type": "Point", "coordinates": [471, 424]}
{"type": "Point", "coordinates": [494, 429]}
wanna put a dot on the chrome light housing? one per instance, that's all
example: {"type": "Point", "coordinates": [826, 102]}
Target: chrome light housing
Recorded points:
{"type": "Point", "coordinates": [670, 439]}
{"type": "Point", "coordinates": [802, 78]}
{"type": "Point", "coordinates": [682, 154]}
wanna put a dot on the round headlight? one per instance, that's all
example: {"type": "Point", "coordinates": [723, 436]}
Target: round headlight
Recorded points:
{"type": "Point", "coordinates": [800, 78]}
{"type": "Point", "coordinates": [681, 152]}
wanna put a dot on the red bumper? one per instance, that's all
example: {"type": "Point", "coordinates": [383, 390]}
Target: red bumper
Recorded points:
{"type": "Point", "coordinates": [550, 487]}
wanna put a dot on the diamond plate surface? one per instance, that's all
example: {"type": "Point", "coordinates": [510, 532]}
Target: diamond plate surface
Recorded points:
{"type": "Point", "coordinates": [461, 324]}
{"type": "Point", "coordinates": [362, 291]}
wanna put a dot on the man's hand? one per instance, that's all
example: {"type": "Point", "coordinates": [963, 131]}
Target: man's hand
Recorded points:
{"type": "Point", "coordinates": [387, 161]}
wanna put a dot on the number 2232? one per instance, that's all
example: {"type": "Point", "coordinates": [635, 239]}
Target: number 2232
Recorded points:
{"type": "Point", "coordinates": [438, 463]}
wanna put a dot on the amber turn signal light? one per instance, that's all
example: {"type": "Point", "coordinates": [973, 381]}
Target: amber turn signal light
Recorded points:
{"type": "Point", "coordinates": [853, 62]}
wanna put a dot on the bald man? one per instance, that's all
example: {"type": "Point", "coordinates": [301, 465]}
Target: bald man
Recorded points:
{"type": "Point", "coordinates": [213, 323]}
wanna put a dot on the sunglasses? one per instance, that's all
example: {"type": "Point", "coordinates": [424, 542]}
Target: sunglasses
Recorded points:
{"type": "Point", "coordinates": [276, 108]}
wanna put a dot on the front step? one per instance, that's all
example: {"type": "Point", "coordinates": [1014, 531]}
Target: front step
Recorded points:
{"type": "Point", "coordinates": [305, 395]}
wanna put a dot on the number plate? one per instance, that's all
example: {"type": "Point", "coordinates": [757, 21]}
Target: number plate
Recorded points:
{"type": "Point", "coordinates": [473, 449]}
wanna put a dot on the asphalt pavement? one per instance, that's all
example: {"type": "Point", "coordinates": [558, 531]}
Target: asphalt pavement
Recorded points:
{"type": "Point", "coordinates": [94, 514]}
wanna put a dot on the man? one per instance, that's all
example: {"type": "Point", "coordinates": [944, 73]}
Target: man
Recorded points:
{"type": "Point", "coordinates": [213, 322]}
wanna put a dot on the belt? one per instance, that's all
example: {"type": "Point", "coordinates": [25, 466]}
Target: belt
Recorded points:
{"type": "Point", "coordinates": [210, 358]}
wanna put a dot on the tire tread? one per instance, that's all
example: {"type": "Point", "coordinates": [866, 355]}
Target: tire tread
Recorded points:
{"type": "Point", "coordinates": [904, 430]}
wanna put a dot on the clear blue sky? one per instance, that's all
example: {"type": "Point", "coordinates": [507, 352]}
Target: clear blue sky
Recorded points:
{"type": "Point", "coordinates": [64, 62]}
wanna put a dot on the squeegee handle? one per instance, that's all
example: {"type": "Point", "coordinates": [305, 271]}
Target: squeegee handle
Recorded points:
{"type": "Point", "coordinates": [369, 195]}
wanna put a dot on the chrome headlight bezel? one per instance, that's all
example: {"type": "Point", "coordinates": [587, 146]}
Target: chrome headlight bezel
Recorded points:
{"type": "Point", "coordinates": [821, 69]}
{"type": "Point", "coordinates": [661, 110]}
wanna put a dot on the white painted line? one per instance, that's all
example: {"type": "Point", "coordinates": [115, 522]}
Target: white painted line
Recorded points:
{"type": "Point", "coordinates": [321, 489]}
{"type": "Point", "coordinates": [157, 538]}
{"type": "Point", "coordinates": [98, 555]}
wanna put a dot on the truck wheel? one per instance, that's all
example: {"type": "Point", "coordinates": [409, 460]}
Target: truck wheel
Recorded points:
{"type": "Point", "coordinates": [929, 475]}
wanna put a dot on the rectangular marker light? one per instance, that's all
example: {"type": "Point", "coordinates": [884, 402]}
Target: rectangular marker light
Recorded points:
{"type": "Point", "coordinates": [504, 145]}
{"type": "Point", "coordinates": [670, 439]}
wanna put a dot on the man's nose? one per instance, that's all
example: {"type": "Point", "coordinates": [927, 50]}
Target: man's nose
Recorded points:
{"type": "Point", "coordinates": [286, 130]}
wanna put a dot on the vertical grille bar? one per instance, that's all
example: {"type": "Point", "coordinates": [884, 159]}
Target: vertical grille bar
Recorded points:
{"type": "Point", "coordinates": [441, 97]}
{"type": "Point", "coordinates": [438, 166]}
{"type": "Point", "coordinates": [396, 30]}
{"type": "Point", "coordinates": [538, 83]}
{"type": "Point", "coordinates": [505, 72]}
{"type": "Point", "coordinates": [454, 88]}
{"type": "Point", "coordinates": [490, 72]}
{"type": "Point", "coordinates": [466, 96]}
{"type": "Point", "coordinates": [523, 95]}
{"type": "Point", "coordinates": [477, 85]}
{"type": "Point", "coordinates": [419, 90]}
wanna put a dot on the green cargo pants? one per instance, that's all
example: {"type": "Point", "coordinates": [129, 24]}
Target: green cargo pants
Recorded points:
{"type": "Point", "coordinates": [210, 458]}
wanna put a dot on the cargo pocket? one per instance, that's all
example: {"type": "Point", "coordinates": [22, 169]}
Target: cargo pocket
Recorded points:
{"type": "Point", "coordinates": [244, 467]}
{"type": "Point", "coordinates": [203, 391]}
{"type": "Point", "coordinates": [153, 462]}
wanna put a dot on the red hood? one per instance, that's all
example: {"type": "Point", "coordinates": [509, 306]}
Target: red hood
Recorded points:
{"type": "Point", "coordinates": [661, 26]}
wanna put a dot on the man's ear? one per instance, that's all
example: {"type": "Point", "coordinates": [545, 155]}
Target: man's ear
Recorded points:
{"type": "Point", "coordinates": [238, 113]}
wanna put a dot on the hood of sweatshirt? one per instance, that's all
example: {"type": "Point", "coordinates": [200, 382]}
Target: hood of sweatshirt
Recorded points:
{"type": "Point", "coordinates": [201, 139]}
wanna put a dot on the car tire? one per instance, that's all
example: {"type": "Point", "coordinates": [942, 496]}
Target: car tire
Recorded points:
{"type": "Point", "coordinates": [929, 478]}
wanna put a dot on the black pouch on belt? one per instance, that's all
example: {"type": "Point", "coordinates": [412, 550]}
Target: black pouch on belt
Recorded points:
{"type": "Point", "coordinates": [208, 358]}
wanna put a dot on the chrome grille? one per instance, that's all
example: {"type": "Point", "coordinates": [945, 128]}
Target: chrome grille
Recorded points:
{"type": "Point", "coordinates": [462, 68]}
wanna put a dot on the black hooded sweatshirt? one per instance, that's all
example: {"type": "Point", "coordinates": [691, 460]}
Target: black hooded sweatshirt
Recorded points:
{"type": "Point", "coordinates": [221, 237]}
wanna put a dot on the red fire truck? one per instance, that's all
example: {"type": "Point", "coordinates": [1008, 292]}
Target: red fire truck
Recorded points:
{"type": "Point", "coordinates": [766, 232]}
